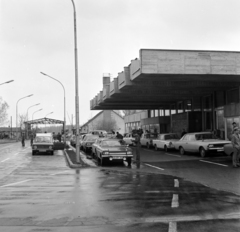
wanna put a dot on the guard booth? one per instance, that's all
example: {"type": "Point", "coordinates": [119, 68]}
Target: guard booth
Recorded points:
{"type": "Point", "coordinates": [58, 145]}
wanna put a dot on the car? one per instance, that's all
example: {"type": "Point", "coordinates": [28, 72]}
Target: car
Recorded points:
{"type": "Point", "coordinates": [98, 132]}
{"type": "Point", "coordinates": [228, 149]}
{"type": "Point", "coordinates": [165, 141]}
{"type": "Point", "coordinates": [200, 142]}
{"type": "Point", "coordinates": [87, 141]}
{"type": "Point", "coordinates": [73, 140]}
{"type": "Point", "coordinates": [147, 138]}
{"type": "Point", "coordinates": [43, 142]}
{"type": "Point", "coordinates": [111, 149]}
{"type": "Point", "coordinates": [128, 139]}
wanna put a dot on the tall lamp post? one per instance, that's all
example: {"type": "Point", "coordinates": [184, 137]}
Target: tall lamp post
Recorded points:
{"type": "Point", "coordinates": [48, 114]}
{"type": "Point", "coordinates": [17, 109]}
{"type": "Point", "coordinates": [76, 84]}
{"type": "Point", "coordinates": [64, 103]}
{"type": "Point", "coordinates": [33, 114]}
{"type": "Point", "coordinates": [6, 82]}
{"type": "Point", "coordinates": [27, 114]}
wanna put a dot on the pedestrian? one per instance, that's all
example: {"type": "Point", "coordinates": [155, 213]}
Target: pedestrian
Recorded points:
{"type": "Point", "coordinates": [31, 138]}
{"type": "Point", "coordinates": [234, 124]}
{"type": "Point", "coordinates": [23, 139]}
{"type": "Point", "coordinates": [59, 137]}
{"type": "Point", "coordinates": [138, 145]}
{"type": "Point", "coordinates": [119, 136]}
{"type": "Point", "coordinates": [183, 133]}
{"type": "Point", "coordinates": [236, 147]}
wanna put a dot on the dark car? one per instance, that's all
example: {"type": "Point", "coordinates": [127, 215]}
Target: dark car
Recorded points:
{"type": "Point", "coordinates": [88, 140]}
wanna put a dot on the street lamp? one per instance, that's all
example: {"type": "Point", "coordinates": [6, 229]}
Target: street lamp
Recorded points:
{"type": "Point", "coordinates": [6, 82]}
{"type": "Point", "coordinates": [76, 85]}
{"type": "Point", "coordinates": [64, 124]}
{"type": "Point", "coordinates": [31, 107]}
{"type": "Point", "coordinates": [48, 114]}
{"type": "Point", "coordinates": [35, 112]}
{"type": "Point", "coordinates": [17, 108]}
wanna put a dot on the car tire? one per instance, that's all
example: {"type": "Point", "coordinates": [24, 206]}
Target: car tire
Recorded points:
{"type": "Point", "coordinates": [165, 148]}
{"type": "Point", "coordinates": [155, 147]}
{"type": "Point", "coordinates": [181, 150]}
{"type": "Point", "coordinates": [129, 161]}
{"type": "Point", "coordinates": [203, 152]}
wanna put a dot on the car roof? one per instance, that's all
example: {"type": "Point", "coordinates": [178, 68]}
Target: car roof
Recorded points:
{"type": "Point", "coordinates": [43, 134]}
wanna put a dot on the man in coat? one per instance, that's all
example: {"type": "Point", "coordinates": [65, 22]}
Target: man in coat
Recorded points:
{"type": "Point", "coordinates": [236, 147]}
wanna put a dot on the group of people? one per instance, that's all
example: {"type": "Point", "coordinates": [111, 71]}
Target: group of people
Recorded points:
{"type": "Point", "coordinates": [236, 145]}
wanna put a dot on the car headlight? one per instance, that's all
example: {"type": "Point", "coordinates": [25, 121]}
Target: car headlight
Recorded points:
{"type": "Point", "coordinates": [129, 153]}
{"type": "Point", "coordinates": [105, 153]}
{"type": "Point", "coordinates": [210, 145]}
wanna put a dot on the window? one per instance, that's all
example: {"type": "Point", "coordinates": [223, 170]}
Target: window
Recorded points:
{"type": "Point", "coordinates": [180, 107]}
{"type": "Point", "coordinates": [188, 105]}
{"type": "Point", "coordinates": [233, 96]}
{"type": "Point", "coordinates": [161, 112]}
{"type": "Point", "coordinates": [167, 112]}
{"type": "Point", "coordinates": [156, 113]}
{"type": "Point", "coordinates": [173, 109]}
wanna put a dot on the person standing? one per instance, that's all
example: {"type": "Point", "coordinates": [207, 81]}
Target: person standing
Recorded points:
{"type": "Point", "coordinates": [236, 147]}
{"type": "Point", "coordinates": [138, 145]}
{"type": "Point", "coordinates": [23, 139]}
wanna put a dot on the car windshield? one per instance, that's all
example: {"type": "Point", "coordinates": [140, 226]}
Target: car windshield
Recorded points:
{"type": "Point", "coordinates": [204, 136]}
{"type": "Point", "coordinates": [171, 136]}
{"type": "Point", "coordinates": [43, 139]}
{"type": "Point", "coordinates": [111, 143]}
{"type": "Point", "coordinates": [91, 138]}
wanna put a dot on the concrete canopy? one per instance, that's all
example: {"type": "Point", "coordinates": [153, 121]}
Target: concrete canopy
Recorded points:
{"type": "Point", "coordinates": [44, 121]}
{"type": "Point", "coordinates": [160, 78]}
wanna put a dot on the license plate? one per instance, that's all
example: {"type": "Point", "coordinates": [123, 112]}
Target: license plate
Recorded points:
{"type": "Point", "coordinates": [117, 157]}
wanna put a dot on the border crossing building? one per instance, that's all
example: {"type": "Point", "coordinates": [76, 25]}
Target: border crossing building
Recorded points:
{"type": "Point", "coordinates": [171, 90]}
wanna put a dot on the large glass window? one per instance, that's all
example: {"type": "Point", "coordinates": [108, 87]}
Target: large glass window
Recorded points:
{"type": "Point", "coordinates": [161, 112]}
{"type": "Point", "coordinates": [156, 113]}
{"type": "Point", "coordinates": [173, 109]}
{"type": "Point", "coordinates": [180, 107]}
{"type": "Point", "coordinates": [167, 112]}
{"type": "Point", "coordinates": [152, 113]}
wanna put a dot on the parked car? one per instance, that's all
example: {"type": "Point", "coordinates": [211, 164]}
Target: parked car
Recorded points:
{"type": "Point", "coordinates": [128, 139]}
{"type": "Point", "coordinates": [165, 141]}
{"type": "Point", "coordinates": [73, 140]}
{"type": "Point", "coordinates": [87, 141]}
{"type": "Point", "coordinates": [98, 132]}
{"type": "Point", "coordinates": [43, 142]}
{"type": "Point", "coordinates": [146, 139]}
{"type": "Point", "coordinates": [228, 149]}
{"type": "Point", "coordinates": [201, 142]}
{"type": "Point", "coordinates": [111, 149]}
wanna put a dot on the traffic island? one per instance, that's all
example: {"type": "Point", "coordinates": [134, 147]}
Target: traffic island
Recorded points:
{"type": "Point", "coordinates": [70, 155]}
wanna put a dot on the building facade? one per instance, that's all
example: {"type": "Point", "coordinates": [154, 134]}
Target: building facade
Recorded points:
{"type": "Point", "coordinates": [105, 120]}
{"type": "Point", "coordinates": [171, 90]}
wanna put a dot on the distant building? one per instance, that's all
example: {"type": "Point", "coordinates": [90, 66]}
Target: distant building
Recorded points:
{"type": "Point", "coordinates": [105, 120]}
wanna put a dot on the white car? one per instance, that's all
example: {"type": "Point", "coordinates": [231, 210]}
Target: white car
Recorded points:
{"type": "Point", "coordinates": [128, 139]}
{"type": "Point", "coordinates": [146, 139]}
{"type": "Point", "coordinates": [165, 141]}
{"type": "Point", "coordinates": [200, 142]}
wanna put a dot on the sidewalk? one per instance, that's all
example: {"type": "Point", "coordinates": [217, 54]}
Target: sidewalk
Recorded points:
{"type": "Point", "coordinates": [3, 141]}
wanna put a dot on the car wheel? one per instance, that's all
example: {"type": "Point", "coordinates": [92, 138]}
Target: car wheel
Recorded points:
{"type": "Point", "coordinates": [202, 152]}
{"type": "Point", "coordinates": [181, 150]}
{"type": "Point", "coordinates": [165, 148]}
{"type": "Point", "coordinates": [129, 161]}
{"type": "Point", "coordinates": [148, 146]}
{"type": "Point", "coordinates": [155, 147]}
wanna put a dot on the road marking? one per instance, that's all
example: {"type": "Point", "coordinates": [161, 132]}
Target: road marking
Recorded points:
{"type": "Point", "coordinates": [176, 183]}
{"type": "Point", "coordinates": [154, 167]}
{"type": "Point", "coordinates": [5, 160]}
{"type": "Point", "coordinates": [58, 173]}
{"type": "Point", "coordinates": [173, 155]}
{"type": "Point", "coordinates": [214, 163]}
{"type": "Point", "coordinates": [172, 227]}
{"type": "Point", "coordinates": [15, 183]}
{"type": "Point", "coordinates": [175, 203]}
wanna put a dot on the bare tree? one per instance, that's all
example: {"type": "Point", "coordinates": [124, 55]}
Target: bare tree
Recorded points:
{"type": "Point", "coordinates": [3, 111]}
{"type": "Point", "coordinates": [22, 118]}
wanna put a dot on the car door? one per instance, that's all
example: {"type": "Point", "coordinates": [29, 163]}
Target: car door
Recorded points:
{"type": "Point", "coordinates": [191, 146]}
{"type": "Point", "coordinates": [184, 142]}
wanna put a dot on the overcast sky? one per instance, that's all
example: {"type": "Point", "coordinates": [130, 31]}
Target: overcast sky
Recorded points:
{"type": "Point", "coordinates": [37, 36]}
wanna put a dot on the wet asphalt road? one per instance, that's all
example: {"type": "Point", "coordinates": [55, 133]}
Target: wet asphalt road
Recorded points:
{"type": "Point", "coordinates": [41, 193]}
